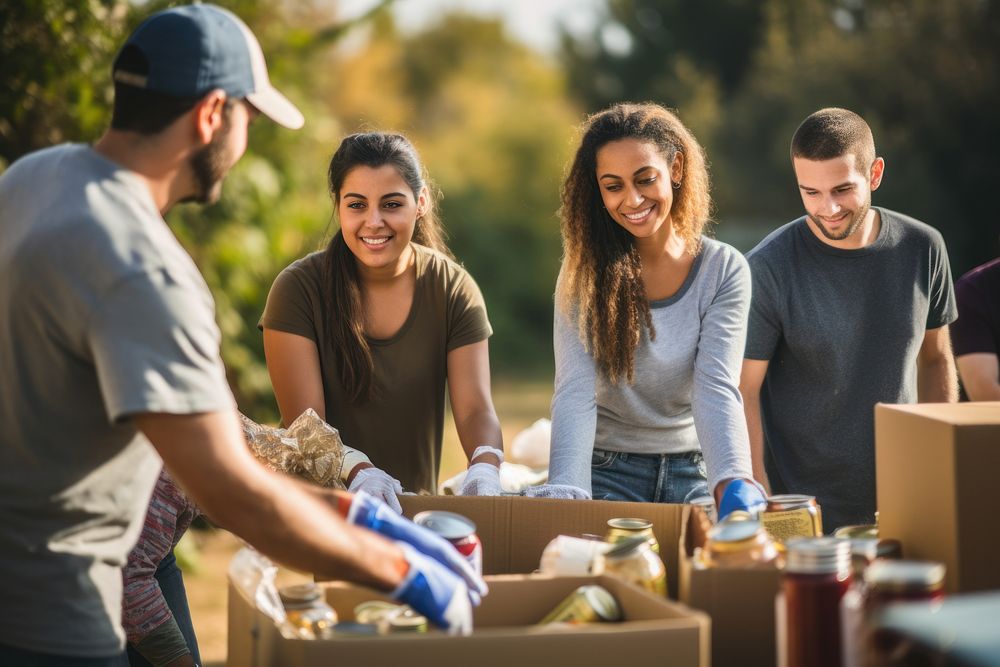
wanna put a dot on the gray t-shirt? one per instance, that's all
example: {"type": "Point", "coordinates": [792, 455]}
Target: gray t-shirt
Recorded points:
{"type": "Point", "coordinates": [102, 315]}
{"type": "Point", "coordinates": [842, 329]}
{"type": "Point", "coordinates": [685, 395]}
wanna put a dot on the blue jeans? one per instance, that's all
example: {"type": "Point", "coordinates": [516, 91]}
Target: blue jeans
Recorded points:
{"type": "Point", "coordinates": [171, 581]}
{"type": "Point", "coordinates": [648, 478]}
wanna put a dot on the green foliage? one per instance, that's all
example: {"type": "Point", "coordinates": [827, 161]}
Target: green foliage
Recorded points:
{"type": "Point", "coordinates": [744, 74]}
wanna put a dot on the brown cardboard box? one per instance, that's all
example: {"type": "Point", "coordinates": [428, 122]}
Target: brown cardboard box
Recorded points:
{"type": "Point", "coordinates": [936, 468]}
{"type": "Point", "coordinates": [515, 530]}
{"type": "Point", "coordinates": [740, 602]}
{"type": "Point", "coordinates": [655, 631]}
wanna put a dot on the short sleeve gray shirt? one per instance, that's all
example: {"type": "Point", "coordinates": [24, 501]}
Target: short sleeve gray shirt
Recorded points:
{"type": "Point", "coordinates": [842, 330]}
{"type": "Point", "coordinates": [102, 315]}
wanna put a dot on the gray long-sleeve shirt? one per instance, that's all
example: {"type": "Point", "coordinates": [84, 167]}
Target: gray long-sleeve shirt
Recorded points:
{"type": "Point", "coordinates": [685, 395]}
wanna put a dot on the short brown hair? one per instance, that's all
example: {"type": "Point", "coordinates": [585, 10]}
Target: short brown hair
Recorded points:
{"type": "Point", "coordinates": [832, 132]}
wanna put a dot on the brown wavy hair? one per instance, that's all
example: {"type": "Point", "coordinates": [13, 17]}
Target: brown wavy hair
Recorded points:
{"type": "Point", "coordinates": [600, 284]}
{"type": "Point", "coordinates": [341, 289]}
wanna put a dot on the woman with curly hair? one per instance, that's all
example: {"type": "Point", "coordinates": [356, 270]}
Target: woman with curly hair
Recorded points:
{"type": "Point", "coordinates": [650, 323]}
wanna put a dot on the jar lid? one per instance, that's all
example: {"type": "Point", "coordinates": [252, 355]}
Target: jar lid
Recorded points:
{"type": "Point", "coordinates": [788, 501]}
{"type": "Point", "coordinates": [601, 601]}
{"type": "Point", "coordinates": [449, 525]}
{"type": "Point", "coordinates": [729, 531]}
{"type": "Point", "coordinates": [627, 547]}
{"type": "Point", "coordinates": [817, 555]}
{"type": "Point", "coordinates": [299, 594]}
{"type": "Point", "coordinates": [905, 575]}
{"type": "Point", "coordinates": [859, 531]}
{"type": "Point", "coordinates": [630, 524]}
{"type": "Point", "coordinates": [407, 620]}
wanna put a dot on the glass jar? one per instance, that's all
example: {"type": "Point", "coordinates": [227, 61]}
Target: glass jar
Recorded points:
{"type": "Point", "coordinates": [817, 575]}
{"type": "Point", "coordinates": [624, 528]}
{"type": "Point", "coordinates": [307, 612]}
{"type": "Point", "coordinates": [792, 515]}
{"type": "Point", "coordinates": [736, 542]}
{"type": "Point", "coordinates": [633, 560]}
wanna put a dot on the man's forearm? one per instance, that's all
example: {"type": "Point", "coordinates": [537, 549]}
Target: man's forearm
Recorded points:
{"type": "Point", "coordinates": [755, 429]}
{"type": "Point", "coordinates": [937, 380]}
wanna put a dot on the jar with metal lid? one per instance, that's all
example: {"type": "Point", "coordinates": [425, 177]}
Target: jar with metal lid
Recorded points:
{"type": "Point", "coordinates": [707, 505]}
{"type": "Point", "coordinates": [817, 575]}
{"type": "Point", "coordinates": [792, 515]}
{"type": "Point", "coordinates": [587, 604]}
{"type": "Point", "coordinates": [633, 560]}
{"type": "Point", "coordinates": [736, 542]}
{"type": "Point", "coordinates": [307, 612]}
{"type": "Point", "coordinates": [624, 528]}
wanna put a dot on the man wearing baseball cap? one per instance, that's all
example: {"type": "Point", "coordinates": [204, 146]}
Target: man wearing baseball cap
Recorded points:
{"type": "Point", "coordinates": [109, 355]}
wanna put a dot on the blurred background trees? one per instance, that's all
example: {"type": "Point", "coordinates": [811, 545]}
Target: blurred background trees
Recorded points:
{"type": "Point", "coordinates": [495, 123]}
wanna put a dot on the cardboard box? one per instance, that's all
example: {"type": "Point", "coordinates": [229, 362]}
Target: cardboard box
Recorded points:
{"type": "Point", "coordinates": [655, 631]}
{"type": "Point", "coordinates": [740, 602]}
{"type": "Point", "coordinates": [515, 530]}
{"type": "Point", "coordinates": [936, 470]}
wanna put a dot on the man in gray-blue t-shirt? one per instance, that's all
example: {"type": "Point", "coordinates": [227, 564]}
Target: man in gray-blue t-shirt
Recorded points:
{"type": "Point", "coordinates": [851, 305]}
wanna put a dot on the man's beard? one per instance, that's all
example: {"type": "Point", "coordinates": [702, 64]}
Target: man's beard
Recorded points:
{"type": "Point", "coordinates": [209, 167]}
{"type": "Point", "coordinates": [852, 226]}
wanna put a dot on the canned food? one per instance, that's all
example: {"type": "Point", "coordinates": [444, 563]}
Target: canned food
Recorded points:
{"type": "Point", "coordinates": [306, 611]}
{"type": "Point", "coordinates": [625, 528]}
{"type": "Point", "coordinates": [737, 542]}
{"type": "Point", "coordinates": [866, 531]}
{"type": "Point", "coordinates": [372, 612]}
{"type": "Point", "coordinates": [389, 617]}
{"type": "Point", "coordinates": [633, 560]}
{"type": "Point", "coordinates": [458, 530]}
{"type": "Point", "coordinates": [792, 515]}
{"type": "Point", "coordinates": [587, 604]}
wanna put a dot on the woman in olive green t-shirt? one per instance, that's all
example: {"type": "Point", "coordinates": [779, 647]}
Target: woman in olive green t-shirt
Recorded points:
{"type": "Point", "coordinates": [369, 331]}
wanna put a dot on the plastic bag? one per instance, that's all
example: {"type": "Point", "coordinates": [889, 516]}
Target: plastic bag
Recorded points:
{"type": "Point", "coordinates": [530, 447]}
{"type": "Point", "coordinates": [309, 448]}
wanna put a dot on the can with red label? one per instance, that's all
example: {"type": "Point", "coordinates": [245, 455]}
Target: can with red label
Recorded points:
{"type": "Point", "coordinates": [458, 530]}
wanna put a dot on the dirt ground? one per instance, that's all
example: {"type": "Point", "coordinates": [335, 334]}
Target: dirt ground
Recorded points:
{"type": "Point", "coordinates": [518, 406]}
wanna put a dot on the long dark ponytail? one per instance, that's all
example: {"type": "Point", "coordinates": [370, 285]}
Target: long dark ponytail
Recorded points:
{"type": "Point", "coordinates": [342, 292]}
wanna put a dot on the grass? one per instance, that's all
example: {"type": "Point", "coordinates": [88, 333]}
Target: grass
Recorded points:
{"type": "Point", "coordinates": [518, 404]}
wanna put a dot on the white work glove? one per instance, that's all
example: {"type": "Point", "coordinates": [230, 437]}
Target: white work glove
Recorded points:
{"type": "Point", "coordinates": [561, 491]}
{"type": "Point", "coordinates": [380, 484]}
{"type": "Point", "coordinates": [483, 479]}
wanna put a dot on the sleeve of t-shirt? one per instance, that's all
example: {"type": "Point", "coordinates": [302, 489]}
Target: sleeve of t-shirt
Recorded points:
{"type": "Point", "coordinates": [467, 319]}
{"type": "Point", "coordinates": [716, 403]}
{"type": "Point", "coordinates": [155, 347]}
{"type": "Point", "coordinates": [288, 306]}
{"type": "Point", "coordinates": [971, 332]}
{"type": "Point", "coordinates": [764, 322]}
{"type": "Point", "coordinates": [941, 295]}
{"type": "Point", "coordinates": [574, 406]}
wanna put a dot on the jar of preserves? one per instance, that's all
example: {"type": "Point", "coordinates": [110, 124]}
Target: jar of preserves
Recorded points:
{"type": "Point", "coordinates": [624, 528]}
{"type": "Point", "coordinates": [792, 515]}
{"type": "Point", "coordinates": [307, 612]}
{"type": "Point", "coordinates": [816, 577]}
{"type": "Point", "coordinates": [738, 542]}
{"type": "Point", "coordinates": [633, 560]}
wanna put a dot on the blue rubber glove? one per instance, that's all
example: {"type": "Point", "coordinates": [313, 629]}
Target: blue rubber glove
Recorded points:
{"type": "Point", "coordinates": [369, 512]}
{"type": "Point", "coordinates": [436, 592]}
{"type": "Point", "coordinates": [741, 494]}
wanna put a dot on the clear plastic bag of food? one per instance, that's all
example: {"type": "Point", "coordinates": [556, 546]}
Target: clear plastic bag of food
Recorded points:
{"type": "Point", "coordinates": [309, 448]}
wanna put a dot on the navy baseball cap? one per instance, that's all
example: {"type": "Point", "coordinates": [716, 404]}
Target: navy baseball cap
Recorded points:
{"type": "Point", "coordinates": [189, 51]}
